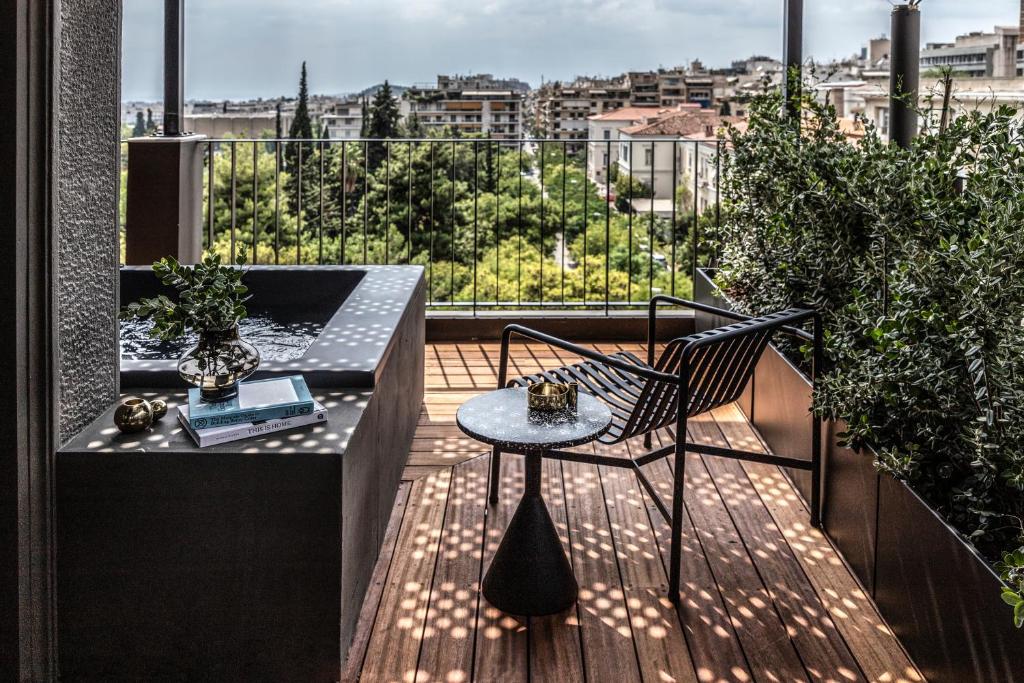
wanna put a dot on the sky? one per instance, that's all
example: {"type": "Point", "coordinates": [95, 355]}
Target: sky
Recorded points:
{"type": "Point", "coordinates": [238, 49]}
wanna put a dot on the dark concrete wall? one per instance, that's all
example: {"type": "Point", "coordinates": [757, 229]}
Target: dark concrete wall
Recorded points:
{"type": "Point", "coordinates": [88, 151]}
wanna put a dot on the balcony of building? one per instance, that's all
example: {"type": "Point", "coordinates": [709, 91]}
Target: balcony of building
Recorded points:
{"type": "Point", "coordinates": [357, 550]}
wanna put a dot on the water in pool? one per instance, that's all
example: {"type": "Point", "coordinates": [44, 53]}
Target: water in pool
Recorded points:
{"type": "Point", "coordinates": [276, 340]}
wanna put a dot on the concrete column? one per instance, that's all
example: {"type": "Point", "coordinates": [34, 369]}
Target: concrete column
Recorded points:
{"type": "Point", "coordinates": [164, 213]}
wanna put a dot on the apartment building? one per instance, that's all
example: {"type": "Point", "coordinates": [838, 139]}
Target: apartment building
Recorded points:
{"type": "Point", "coordinates": [978, 54]}
{"type": "Point", "coordinates": [475, 104]}
{"type": "Point", "coordinates": [603, 133]}
{"type": "Point", "coordinates": [643, 88]}
{"type": "Point", "coordinates": [701, 164]}
{"type": "Point", "coordinates": [652, 151]}
{"type": "Point", "coordinates": [563, 111]}
{"type": "Point", "coordinates": [238, 124]}
{"type": "Point", "coordinates": [974, 94]}
{"type": "Point", "coordinates": [345, 120]}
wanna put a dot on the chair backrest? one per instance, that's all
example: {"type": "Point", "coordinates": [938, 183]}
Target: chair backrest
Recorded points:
{"type": "Point", "coordinates": [721, 362]}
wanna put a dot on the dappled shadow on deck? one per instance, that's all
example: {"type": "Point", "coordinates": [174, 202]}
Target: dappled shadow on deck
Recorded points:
{"type": "Point", "coordinates": [764, 596]}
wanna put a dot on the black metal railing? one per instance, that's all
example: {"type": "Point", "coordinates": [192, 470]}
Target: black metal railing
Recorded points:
{"type": "Point", "coordinates": [497, 224]}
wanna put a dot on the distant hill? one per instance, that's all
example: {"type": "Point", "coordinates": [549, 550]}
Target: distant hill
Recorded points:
{"type": "Point", "coordinates": [397, 90]}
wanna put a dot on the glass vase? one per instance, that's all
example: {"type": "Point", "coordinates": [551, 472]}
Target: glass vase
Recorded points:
{"type": "Point", "coordinates": [218, 363]}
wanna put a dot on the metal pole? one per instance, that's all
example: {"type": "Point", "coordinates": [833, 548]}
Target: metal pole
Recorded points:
{"type": "Point", "coordinates": [905, 76]}
{"type": "Point", "coordinates": [174, 66]}
{"type": "Point", "coordinates": [793, 57]}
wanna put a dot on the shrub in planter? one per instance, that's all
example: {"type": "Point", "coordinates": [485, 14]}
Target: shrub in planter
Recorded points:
{"type": "Point", "coordinates": [921, 292]}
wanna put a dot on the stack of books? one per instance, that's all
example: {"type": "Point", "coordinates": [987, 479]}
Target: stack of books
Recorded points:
{"type": "Point", "coordinates": [261, 407]}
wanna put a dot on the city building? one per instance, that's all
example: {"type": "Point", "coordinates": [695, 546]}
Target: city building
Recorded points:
{"type": "Point", "coordinates": [978, 54]}
{"type": "Point", "coordinates": [475, 104]}
{"type": "Point", "coordinates": [345, 120]}
{"type": "Point", "coordinates": [238, 124]}
{"type": "Point", "coordinates": [603, 134]}
{"type": "Point", "coordinates": [651, 152]}
{"type": "Point", "coordinates": [561, 110]}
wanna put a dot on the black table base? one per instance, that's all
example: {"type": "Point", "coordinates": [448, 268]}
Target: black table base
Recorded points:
{"type": "Point", "coordinates": [530, 574]}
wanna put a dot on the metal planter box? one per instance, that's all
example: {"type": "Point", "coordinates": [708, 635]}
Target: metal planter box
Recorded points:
{"type": "Point", "coordinates": [937, 594]}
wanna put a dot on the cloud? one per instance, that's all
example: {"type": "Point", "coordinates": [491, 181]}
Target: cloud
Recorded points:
{"type": "Point", "coordinates": [243, 48]}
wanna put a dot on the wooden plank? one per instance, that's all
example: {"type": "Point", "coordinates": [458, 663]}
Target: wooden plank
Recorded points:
{"type": "Point", "coordinates": [608, 650]}
{"type": "Point", "coordinates": [660, 644]}
{"type": "Point", "coordinates": [555, 653]}
{"type": "Point", "coordinates": [769, 652]}
{"type": "Point", "coordinates": [413, 472]}
{"type": "Point", "coordinates": [821, 647]}
{"type": "Point", "coordinates": [501, 640]}
{"type": "Point", "coordinates": [395, 642]}
{"type": "Point", "coordinates": [446, 651]}
{"type": "Point", "coordinates": [375, 591]}
{"type": "Point", "coordinates": [715, 648]}
{"type": "Point", "coordinates": [878, 651]}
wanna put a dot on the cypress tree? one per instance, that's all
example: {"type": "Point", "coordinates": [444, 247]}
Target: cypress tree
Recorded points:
{"type": "Point", "coordinates": [150, 125]}
{"type": "Point", "coordinates": [278, 126]}
{"type": "Point", "coordinates": [384, 114]}
{"type": "Point", "coordinates": [414, 127]}
{"type": "Point", "coordinates": [140, 125]}
{"type": "Point", "coordinates": [302, 125]}
{"type": "Point", "coordinates": [384, 118]}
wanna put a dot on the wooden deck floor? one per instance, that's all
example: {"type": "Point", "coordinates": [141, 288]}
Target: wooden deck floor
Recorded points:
{"type": "Point", "coordinates": [765, 596]}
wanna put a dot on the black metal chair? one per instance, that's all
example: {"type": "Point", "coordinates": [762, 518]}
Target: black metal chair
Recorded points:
{"type": "Point", "coordinates": [708, 370]}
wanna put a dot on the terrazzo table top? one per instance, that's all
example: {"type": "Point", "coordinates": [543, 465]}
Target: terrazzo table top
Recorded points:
{"type": "Point", "coordinates": [501, 418]}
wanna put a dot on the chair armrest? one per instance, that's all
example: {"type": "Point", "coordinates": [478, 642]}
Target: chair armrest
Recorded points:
{"type": "Point", "coordinates": [580, 351]}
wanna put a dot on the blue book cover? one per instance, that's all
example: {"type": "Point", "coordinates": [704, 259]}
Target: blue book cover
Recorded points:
{"type": "Point", "coordinates": [266, 399]}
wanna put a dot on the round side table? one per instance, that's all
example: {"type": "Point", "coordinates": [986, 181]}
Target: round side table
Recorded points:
{"type": "Point", "coordinates": [530, 574]}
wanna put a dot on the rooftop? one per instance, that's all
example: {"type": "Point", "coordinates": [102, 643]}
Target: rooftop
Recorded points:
{"type": "Point", "coordinates": [639, 113]}
{"type": "Point", "coordinates": [681, 124]}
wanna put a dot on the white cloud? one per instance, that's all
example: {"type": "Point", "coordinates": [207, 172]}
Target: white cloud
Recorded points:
{"type": "Point", "coordinates": [239, 48]}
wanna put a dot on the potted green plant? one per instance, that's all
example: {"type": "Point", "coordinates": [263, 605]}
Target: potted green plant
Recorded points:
{"type": "Point", "coordinates": [211, 302]}
{"type": "Point", "coordinates": [916, 275]}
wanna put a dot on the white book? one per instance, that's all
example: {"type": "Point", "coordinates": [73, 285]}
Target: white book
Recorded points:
{"type": "Point", "coordinates": [218, 435]}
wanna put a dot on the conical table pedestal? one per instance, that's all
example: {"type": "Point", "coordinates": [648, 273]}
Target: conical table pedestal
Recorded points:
{"type": "Point", "coordinates": [530, 574]}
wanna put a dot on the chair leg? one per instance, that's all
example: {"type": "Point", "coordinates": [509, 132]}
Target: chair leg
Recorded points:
{"type": "Point", "coordinates": [647, 440]}
{"type": "Point", "coordinates": [816, 510]}
{"type": "Point", "coordinates": [678, 492]}
{"type": "Point", "coordinates": [495, 474]}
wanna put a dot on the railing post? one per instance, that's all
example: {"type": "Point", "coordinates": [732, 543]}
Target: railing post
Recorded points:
{"type": "Point", "coordinates": [164, 202]}
{"type": "Point", "coordinates": [905, 76]}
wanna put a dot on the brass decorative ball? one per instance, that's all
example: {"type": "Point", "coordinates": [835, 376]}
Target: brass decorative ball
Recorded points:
{"type": "Point", "coordinates": [159, 409]}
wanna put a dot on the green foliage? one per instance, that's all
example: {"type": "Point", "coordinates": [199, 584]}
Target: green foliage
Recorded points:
{"type": "Point", "coordinates": [383, 123]}
{"type": "Point", "coordinates": [452, 208]}
{"type": "Point", "coordinates": [302, 126]}
{"type": "Point", "coordinates": [211, 297]}
{"type": "Point", "coordinates": [1011, 570]}
{"type": "Point", "coordinates": [629, 187]}
{"type": "Point", "coordinates": [919, 287]}
{"type": "Point", "coordinates": [140, 125]}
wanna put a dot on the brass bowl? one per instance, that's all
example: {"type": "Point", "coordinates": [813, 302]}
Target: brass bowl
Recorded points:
{"type": "Point", "coordinates": [136, 414]}
{"type": "Point", "coordinates": [551, 397]}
